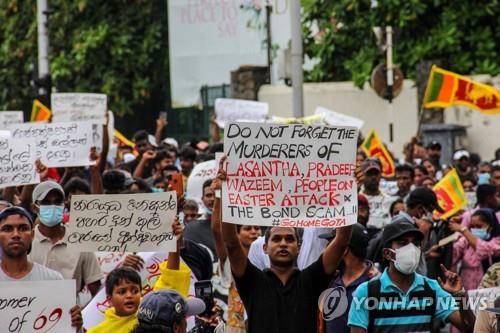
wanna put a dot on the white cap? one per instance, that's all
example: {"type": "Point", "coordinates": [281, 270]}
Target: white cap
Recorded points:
{"type": "Point", "coordinates": [128, 157]}
{"type": "Point", "coordinates": [460, 154]}
{"type": "Point", "coordinates": [172, 142]}
{"type": "Point", "coordinates": [42, 189]}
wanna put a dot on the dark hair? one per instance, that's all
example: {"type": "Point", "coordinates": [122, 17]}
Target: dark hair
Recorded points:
{"type": "Point", "coordinates": [140, 135]}
{"type": "Point", "coordinates": [406, 168]}
{"type": "Point", "coordinates": [142, 185]}
{"type": "Point", "coordinates": [422, 169]}
{"type": "Point", "coordinates": [190, 204]}
{"type": "Point", "coordinates": [159, 180]}
{"type": "Point", "coordinates": [358, 251]}
{"type": "Point", "coordinates": [393, 204]}
{"type": "Point", "coordinates": [160, 155]}
{"type": "Point", "coordinates": [471, 179]}
{"type": "Point", "coordinates": [206, 184]}
{"type": "Point", "coordinates": [113, 180]}
{"type": "Point", "coordinates": [267, 234]}
{"type": "Point", "coordinates": [120, 274]}
{"type": "Point", "coordinates": [216, 148]}
{"type": "Point", "coordinates": [76, 184]}
{"type": "Point", "coordinates": [146, 328]}
{"type": "Point", "coordinates": [170, 167]}
{"type": "Point", "coordinates": [474, 159]}
{"type": "Point", "coordinates": [484, 192]}
{"type": "Point", "coordinates": [488, 215]}
{"type": "Point", "coordinates": [187, 153]}
{"type": "Point", "coordinates": [495, 168]}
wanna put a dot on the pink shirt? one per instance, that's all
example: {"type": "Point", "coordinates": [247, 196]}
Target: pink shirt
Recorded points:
{"type": "Point", "coordinates": [471, 271]}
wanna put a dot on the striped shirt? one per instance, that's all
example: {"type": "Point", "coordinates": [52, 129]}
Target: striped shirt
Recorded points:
{"type": "Point", "coordinates": [398, 311]}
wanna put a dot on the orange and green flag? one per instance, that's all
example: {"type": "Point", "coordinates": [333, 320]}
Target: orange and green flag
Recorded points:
{"type": "Point", "coordinates": [446, 88]}
{"type": "Point", "coordinates": [40, 112]}
{"type": "Point", "coordinates": [450, 194]}
{"type": "Point", "coordinates": [373, 147]}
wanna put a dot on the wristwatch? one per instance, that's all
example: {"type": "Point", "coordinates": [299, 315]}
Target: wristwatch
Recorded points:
{"type": "Point", "coordinates": [462, 230]}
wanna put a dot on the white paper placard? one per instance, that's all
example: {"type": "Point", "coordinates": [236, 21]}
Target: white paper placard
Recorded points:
{"type": "Point", "coordinates": [37, 306]}
{"type": "Point", "coordinates": [333, 118]}
{"type": "Point", "coordinates": [10, 117]}
{"type": "Point", "coordinates": [230, 110]}
{"type": "Point", "coordinates": [78, 107]}
{"type": "Point", "coordinates": [17, 162]}
{"type": "Point", "coordinates": [290, 175]}
{"type": "Point", "coordinates": [122, 222]}
{"type": "Point", "coordinates": [59, 144]}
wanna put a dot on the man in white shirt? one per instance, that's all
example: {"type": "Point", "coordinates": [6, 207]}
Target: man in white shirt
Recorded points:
{"type": "Point", "coordinates": [379, 202]}
{"type": "Point", "coordinates": [16, 236]}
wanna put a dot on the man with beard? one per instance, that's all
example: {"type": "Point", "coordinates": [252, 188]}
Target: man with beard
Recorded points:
{"type": "Point", "coordinates": [433, 150]}
{"type": "Point", "coordinates": [282, 299]}
{"type": "Point", "coordinates": [16, 236]}
{"type": "Point", "coordinates": [379, 202]}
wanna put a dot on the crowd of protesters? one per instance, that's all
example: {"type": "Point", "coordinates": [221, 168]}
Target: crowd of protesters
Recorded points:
{"type": "Point", "coordinates": [272, 279]}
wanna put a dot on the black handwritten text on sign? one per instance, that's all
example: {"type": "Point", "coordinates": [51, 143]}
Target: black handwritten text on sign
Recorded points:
{"type": "Point", "coordinates": [290, 175]}
{"type": "Point", "coordinates": [122, 222]}
{"type": "Point", "coordinates": [17, 162]}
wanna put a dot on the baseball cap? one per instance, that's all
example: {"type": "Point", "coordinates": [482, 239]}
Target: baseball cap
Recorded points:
{"type": "Point", "coordinates": [161, 308]}
{"type": "Point", "coordinates": [397, 229]}
{"type": "Point", "coordinates": [461, 154]}
{"type": "Point", "coordinates": [424, 196]}
{"type": "Point", "coordinates": [434, 145]}
{"type": "Point", "coordinates": [359, 237]}
{"type": "Point", "coordinates": [15, 210]}
{"type": "Point", "coordinates": [369, 164]}
{"type": "Point", "coordinates": [42, 189]}
{"type": "Point", "coordinates": [172, 142]}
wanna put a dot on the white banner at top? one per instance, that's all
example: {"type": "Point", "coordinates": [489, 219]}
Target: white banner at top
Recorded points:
{"type": "Point", "coordinates": [210, 38]}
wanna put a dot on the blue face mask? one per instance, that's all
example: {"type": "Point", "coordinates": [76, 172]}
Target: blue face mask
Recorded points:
{"type": "Point", "coordinates": [480, 233]}
{"type": "Point", "coordinates": [51, 215]}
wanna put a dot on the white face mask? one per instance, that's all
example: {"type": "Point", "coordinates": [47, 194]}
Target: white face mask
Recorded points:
{"type": "Point", "coordinates": [407, 259]}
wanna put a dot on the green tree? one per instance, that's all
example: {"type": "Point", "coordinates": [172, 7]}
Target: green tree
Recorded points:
{"type": "Point", "coordinates": [461, 35]}
{"type": "Point", "coordinates": [116, 47]}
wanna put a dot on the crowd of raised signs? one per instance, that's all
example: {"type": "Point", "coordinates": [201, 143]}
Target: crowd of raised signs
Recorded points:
{"type": "Point", "coordinates": [141, 234]}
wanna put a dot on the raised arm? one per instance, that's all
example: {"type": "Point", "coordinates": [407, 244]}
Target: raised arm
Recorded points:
{"type": "Point", "coordinates": [160, 125]}
{"type": "Point", "coordinates": [216, 222]}
{"type": "Point", "coordinates": [174, 258]}
{"type": "Point", "coordinates": [335, 250]}
{"type": "Point", "coordinates": [96, 186]}
{"type": "Point", "coordinates": [235, 252]}
{"type": "Point", "coordinates": [105, 147]}
{"type": "Point", "coordinates": [146, 158]}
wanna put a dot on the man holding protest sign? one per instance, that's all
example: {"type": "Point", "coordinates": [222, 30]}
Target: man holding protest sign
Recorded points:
{"type": "Point", "coordinates": [16, 236]}
{"type": "Point", "coordinates": [283, 298]}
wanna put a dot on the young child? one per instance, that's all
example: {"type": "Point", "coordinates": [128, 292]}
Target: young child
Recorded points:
{"type": "Point", "coordinates": [123, 291]}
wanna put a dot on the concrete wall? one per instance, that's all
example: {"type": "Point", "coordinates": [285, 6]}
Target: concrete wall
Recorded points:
{"type": "Point", "coordinates": [483, 131]}
{"type": "Point", "coordinates": [345, 98]}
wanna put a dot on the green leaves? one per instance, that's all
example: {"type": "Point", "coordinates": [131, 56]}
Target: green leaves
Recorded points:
{"type": "Point", "coordinates": [111, 47]}
{"type": "Point", "coordinates": [463, 34]}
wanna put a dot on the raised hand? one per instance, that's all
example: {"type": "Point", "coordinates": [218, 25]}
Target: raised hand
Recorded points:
{"type": "Point", "coordinates": [133, 261]}
{"type": "Point", "coordinates": [452, 282]}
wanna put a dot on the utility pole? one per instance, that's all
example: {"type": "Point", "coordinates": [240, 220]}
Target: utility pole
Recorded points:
{"type": "Point", "coordinates": [269, 10]}
{"type": "Point", "coordinates": [297, 59]}
{"type": "Point", "coordinates": [43, 82]}
{"type": "Point", "coordinates": [390, 82]}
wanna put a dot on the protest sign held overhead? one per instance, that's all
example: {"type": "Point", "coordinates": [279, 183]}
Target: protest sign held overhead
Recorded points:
{"type": "Point", "coordinates": [79, 107]}
{"type": "Point", "coordinates": [332, 118]}
{"type": "Point", "coordinates": [290, 175]}
{"type": "Point", "coordinates": [231, 110]}
{"type": "Point", "coordinates": [122, 222]}
{"type": "Point", "coordinates": [201, 172]}
{"type": "Point", "coordinates": [58, 144]}
{"type": "Point", "coordinates": [33, 306]}
{"type": "Point", "coordinates": [10, 117]}
{"type": "Point", "coordinates": [17, 162]}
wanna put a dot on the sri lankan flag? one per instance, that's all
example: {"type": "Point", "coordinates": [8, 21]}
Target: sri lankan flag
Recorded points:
{"type": "Point", "coordinates": [122, 139]}
{"type": "Point", "coordinates": [450, 194]}
{"type": "Point", "coordinates": [447, 88]}
{"type": "Point", "coordinates": [373, 147]}
{"type": "Point", "coordinates": [40, 112]}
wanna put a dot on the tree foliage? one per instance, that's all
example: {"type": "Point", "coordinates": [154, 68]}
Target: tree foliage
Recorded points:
{"type": "Point", "coordinates": [116, 47]}
{"type": "Point", "coordinates": [462, 35]}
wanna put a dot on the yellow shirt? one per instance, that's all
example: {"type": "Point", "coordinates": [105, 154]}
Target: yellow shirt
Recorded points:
{"type": "Point", "coordinates": [173, 279]}
{"type": "Point", "coordinates": [114, 323]}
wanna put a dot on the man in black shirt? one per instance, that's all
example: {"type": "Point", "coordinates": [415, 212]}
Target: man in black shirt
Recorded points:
{"type": "Point", "coordinates": [282, 298]}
